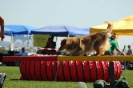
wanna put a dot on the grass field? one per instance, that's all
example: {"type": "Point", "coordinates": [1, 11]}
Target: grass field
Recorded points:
{"type": "Point", "coordinates": [13, 75]}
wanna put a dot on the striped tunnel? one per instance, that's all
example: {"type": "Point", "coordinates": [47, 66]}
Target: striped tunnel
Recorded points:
{"type": "Point", "coordinates": [87, 71]}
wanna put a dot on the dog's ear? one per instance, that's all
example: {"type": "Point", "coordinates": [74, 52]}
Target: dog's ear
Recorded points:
{"type": "Point", "coordinates": [63, 41]}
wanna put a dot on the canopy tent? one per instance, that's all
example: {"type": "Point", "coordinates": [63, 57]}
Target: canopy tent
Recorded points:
{"type": "Point", "coordinates": [4, 43]}
{"type": "Point", "coordinates": [19, 29]}
{"type": "Point", "coordinates": [52, 30]}
{"type": "Point", "coordinates": [76, 31]}
{"type": "Point", "coordinates": [7, 31]}
{"type": "Point", "coordinates": [86, 29]}
{"type": "Point", "coordinates": [60, 30]}
{"type": "Point", "coordinates": [123, 26]}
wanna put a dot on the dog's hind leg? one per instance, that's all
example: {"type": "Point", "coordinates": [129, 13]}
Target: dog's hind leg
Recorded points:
{"type": "Point", "coordinates": [99, 51]}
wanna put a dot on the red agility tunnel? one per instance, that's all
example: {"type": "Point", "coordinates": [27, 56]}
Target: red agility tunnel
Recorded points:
{"type": "Point", "coordinates": [87, 71]}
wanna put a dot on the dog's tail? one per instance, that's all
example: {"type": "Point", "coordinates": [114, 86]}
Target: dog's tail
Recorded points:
{"type": "Point", "coordinates": [109, 27]}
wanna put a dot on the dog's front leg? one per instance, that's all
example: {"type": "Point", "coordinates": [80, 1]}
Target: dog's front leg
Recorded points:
{"type": "Point", "coordinates": [77, 52]}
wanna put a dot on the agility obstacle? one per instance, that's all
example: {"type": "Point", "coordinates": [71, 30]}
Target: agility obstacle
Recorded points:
{"type": "Point", "coordinates": [65, 58]}
{"type": "Point", "coordinates": [86, 71]}
{"type": "Point", "coordinates": [36, 61]}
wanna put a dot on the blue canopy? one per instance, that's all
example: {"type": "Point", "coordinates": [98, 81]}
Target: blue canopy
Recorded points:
{"type": "Point", "coordinates": [76, 31]}
{"type": "Point", "coordinates": [7, 31]}
{"type": "Point", "coordinates": [60, 30]}
{"type": "Point", "coordinates": [52, 30]}
{"type": "Point", "coordinates": [86, 29]}
{"type": "Point", "coordinates": [19, 29]}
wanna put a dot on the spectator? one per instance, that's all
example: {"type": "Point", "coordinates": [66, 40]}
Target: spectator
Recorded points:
{"type": "Point", "coordinates": [52, 42]}
{"type": "Point", "coordinates": [22, 53]}
{"type": "Point", "coordinates": [114, 46]}
{"type": "Point", "coordinates": [129, 64]}
{"type": "Point", "coordinates": [129, 51]}
{"type": "Point", "coordinates": [53, 45]}
{"type": "Point", "coordinates": [48, 45]}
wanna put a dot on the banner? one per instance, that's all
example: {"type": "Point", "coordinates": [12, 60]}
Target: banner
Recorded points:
{"type": "Point", "coordinates": [40, 40]}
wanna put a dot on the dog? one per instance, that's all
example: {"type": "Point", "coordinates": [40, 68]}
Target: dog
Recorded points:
{"type": "Point", "coordinates": [98, 42]}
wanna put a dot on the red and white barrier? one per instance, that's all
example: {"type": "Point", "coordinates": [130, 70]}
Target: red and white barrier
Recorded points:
{"type": "Point", "coordinates": [49, 48]}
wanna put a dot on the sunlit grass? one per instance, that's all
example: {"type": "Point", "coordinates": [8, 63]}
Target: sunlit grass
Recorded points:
{"type": "Point", "coordinates": [13, 75]}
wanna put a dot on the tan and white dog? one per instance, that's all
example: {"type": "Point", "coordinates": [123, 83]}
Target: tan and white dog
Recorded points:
{"type": "Point", "coordinates": [78, 45]}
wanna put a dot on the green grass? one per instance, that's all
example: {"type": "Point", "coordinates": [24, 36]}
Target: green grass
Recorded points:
{"type": "Point", "coordinates": [13, 75]}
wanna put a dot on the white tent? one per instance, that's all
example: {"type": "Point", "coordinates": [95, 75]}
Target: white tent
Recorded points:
{"type": "Point", "coordinates": [4, 43]}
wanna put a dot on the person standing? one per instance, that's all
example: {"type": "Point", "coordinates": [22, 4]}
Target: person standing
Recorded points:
{"type": "Point", "coordinates": [2, 28]}
{"type": "Point", "coordinates": [129, 64]}
{"type": "Point", "coordinates": [53, 45]}
{"type": "Point", "coordinates": [114, 46]}
{"type": "Point", "coordinates": [2, 75]}
{"type": "Point", "coordinates": [129, 51]}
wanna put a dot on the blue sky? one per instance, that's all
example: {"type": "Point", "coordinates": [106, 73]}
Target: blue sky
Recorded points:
{"type": "Point", "coordinates": [78, 13]}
